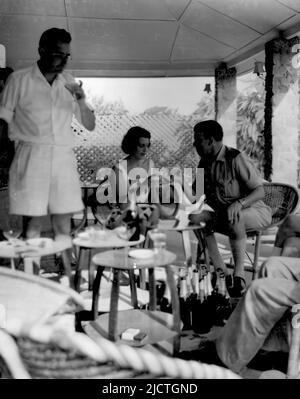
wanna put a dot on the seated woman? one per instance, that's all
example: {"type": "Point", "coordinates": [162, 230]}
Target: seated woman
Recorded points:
{"type": "Point", "coordinates": [287, 241]}
{"type": "Point", "coordinates": [132, 177]}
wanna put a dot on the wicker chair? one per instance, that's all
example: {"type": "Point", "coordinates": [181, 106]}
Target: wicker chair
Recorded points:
{"type": "Point", "coordinates": [283, 200]}
{"type": "Point", "coordinates": [33, 299]}
{"type": "Point", "coordinates": [102, 205]}
{"type": "Point", "coordinates": [46, 352]}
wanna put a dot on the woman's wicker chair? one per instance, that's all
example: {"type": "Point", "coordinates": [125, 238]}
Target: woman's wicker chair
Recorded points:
{"type": "Point", "coordinates": [103, 202]}
{"type": "Point", "coordinates": [45, 352]}
{"type": "Point", "coordinates": [283, 200]}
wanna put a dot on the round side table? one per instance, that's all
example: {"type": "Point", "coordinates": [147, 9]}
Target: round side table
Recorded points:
{"type": "Point", "coordinates": [170, 225]}
{"type": "Point", "coordinates": [159, 326]}
{"type": "Point", "coordinates": [35, 248]}
{"type": "Point", "coordinates": [85, 245]}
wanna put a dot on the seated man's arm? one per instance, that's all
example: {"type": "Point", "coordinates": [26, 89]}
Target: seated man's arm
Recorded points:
{"type": "Point", "coordinates": [248, 177]}
{"type": "Point", "coordinates": [257, 194]}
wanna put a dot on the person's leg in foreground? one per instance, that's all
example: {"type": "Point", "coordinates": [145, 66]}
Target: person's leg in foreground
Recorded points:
{"type": "Point", "coordinates": [264, 304]}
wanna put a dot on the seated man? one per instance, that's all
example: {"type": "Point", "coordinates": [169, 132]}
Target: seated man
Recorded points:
{"type": "Point", "coordinates": [264, 304]}
{"type": "Point", "coordinates": [234, 190]}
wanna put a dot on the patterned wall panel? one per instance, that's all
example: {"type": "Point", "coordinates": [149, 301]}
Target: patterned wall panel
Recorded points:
{"type": "Point", "coordinates": [171, 141]}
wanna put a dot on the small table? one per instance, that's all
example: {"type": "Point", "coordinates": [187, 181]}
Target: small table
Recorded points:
{"type": "Point", "coordinates": [159, 326]}
{"type": "Point", "coordinates": [111, 240]}
{"type": "Point", "coordinates": [36, 247]}
{"type": "Point", "coordinates": [169, 225]}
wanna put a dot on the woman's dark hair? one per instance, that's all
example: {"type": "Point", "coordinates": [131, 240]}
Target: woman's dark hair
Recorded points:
{"type": "Point", "coordinates": [210, 129]}
{"type": "Point", "coordinates": [52, 36]}
{"type": "Point", "coordinates": [131, 139]}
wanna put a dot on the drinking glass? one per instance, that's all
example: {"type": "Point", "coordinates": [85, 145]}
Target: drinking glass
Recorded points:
{"type": "Point", "coordinates": [13, 228]}
{"type": "Point", "coordinates": [12, 231]}
{"type": "Point", "coordinates": [158, 238]}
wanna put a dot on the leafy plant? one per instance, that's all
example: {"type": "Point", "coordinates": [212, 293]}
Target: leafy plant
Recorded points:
{"type": "Point", "coordinates": [250, 124]}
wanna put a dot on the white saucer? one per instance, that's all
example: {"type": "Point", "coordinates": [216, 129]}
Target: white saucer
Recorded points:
{"type": "Point", "coordinates": [141, 253]}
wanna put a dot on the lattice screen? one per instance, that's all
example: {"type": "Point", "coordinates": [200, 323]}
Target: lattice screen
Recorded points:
{"type": "Point", "coordinates": [171, 142]}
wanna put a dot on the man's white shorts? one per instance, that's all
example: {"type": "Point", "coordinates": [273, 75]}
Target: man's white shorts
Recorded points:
{"type": "Point", "coordinates": [44, 179]}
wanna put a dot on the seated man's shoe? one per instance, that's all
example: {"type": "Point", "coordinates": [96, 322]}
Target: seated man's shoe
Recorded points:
{"type": "Point", "coordinates": [236, 286]}
{"type": "Point", "coordinates": [229, 282]}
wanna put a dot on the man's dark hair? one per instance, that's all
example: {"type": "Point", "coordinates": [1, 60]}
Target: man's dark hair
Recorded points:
{"type": "Point", "coordinates": [131, 139]}
{"type": "Point", "coordinates": [5, 72]}
{"type": "Point", "coordinates": [52, 36]}
{"type": "Point", "coordinates": [210, 129]}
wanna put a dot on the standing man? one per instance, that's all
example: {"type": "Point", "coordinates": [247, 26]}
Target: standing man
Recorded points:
{"type": "Point", "coordinates": [38, 104]}
{"type": "Point", "coordinates": [234, 190]}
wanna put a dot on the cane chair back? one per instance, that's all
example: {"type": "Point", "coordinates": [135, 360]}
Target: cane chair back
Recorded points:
{"type": "Point", "coordinates": [283, 200]}
{"type": "Point", "coordinates": [45, 352]}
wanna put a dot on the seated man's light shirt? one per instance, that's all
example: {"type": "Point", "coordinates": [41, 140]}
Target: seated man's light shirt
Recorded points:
{"type": "Point", "coordinates": [37, 112]}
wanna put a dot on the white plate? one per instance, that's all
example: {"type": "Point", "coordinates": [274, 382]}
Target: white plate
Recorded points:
{"type": "Point", "coordinates": [141, 253]}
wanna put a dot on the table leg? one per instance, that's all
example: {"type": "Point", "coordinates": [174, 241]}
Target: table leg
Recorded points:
{"type": "Point", "coordinates": [12, 264]}
{"type": "Point", "coordinates": [91, 269]}
{"type": "Point", "coordinates": [202, 244]}
{"type": "Point", "coordinates": [28, 265]}
{"type": "Point", "coordinates": [152, 289]}
{"type": "Point", "coordinates": [66, 256]}
{"type": "Point", "coordinates": [113, 313]}
{"type": "Point", "coordinates": [187, 247]}
{"type": "Point", "coordinates": [85, 211]}
{"type": "Point", "coordinates": [134, 300]}
{"type": "Point", "coordinates": [96, 288]}
{"type": "Point", "coordinates": [142, 274]}
{"type": "Point", "coordinates": [77, 277]}
{"type": "Point", "coordinates": [175, 309]}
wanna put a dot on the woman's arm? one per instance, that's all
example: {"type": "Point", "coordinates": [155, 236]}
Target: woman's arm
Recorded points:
{"type": "Point", "coordinates": [121, 186]}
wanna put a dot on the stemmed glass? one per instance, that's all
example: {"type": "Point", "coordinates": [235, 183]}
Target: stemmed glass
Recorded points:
{"type": "Point", "coordinates": [12, 231]}
{"type": "Point", "coordinates": [13, 228]}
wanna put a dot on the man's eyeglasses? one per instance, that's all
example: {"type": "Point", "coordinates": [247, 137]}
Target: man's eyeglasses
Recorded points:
{"type": "Point", "coordinates": [61, 56]}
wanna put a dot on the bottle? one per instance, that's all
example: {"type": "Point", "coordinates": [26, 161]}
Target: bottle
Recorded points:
{"type": "Point", "coordinates": [131, 218]}
{"type": "Point", "coordinates": [185, 314]}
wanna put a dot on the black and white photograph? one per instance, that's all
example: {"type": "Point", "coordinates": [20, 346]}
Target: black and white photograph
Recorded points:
{"type": "Point", "coordinates": [149, 194]}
